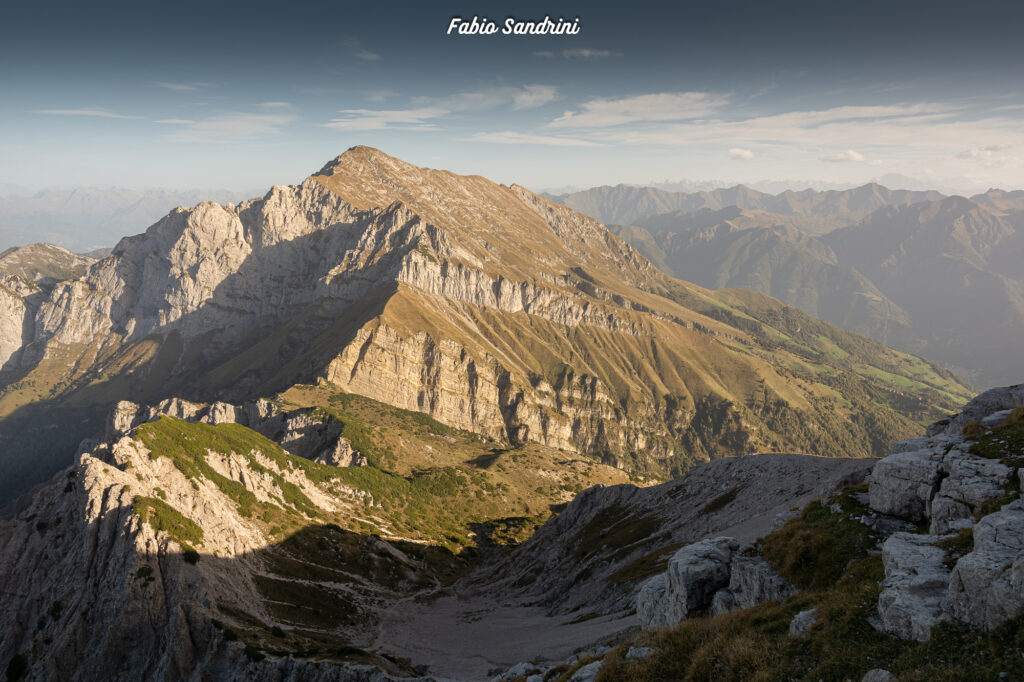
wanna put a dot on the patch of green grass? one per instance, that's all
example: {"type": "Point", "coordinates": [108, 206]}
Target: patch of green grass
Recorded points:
{"type": "Point", "coordinates": [995, 504]}
{"type": "Point", "coordinates": [1005, 442]}
{"type": "Point", "coordinates": [163, 517]}
{"type": "Point", "coordinates": [427, 253]}
{"type": "Point", "coordinates": [507, 532]}
{"type": "Point", "coordinates": [957, 545]}
{"type": "Point", "coordinates": [1015, 417]}
{"type": "Point", "coordinates": [973, 430]}
{"type": "Point", "coordinates": [721, 501]}
{"type": "Point", "coordinates": [187, 445]}
{"type": "Point", "coordinates": [813, 551]}
{"type": "Point", "coordinates": [615, 528]}
{"type": "Point", "coordinates": [645, 566]}
{"type": "Point", "coordinates": [956, 653]}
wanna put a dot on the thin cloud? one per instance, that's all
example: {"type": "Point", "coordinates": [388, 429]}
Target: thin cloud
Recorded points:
{"type": "Point", "coordinates": [375, 119]}
{"type": "Point", "coordinates": [176, 87]}
{"type": "Point", "coordinates": [986, 152]}
{"type": "Point", "coordinates": [175, 121]}
{"type": "Point", "coordinates": [526, 97]}
{"type": "Point", "coordinates": [276, 105]}
{"type": "Point", "coordinates": [741, 154]}
{"type": "Point", "coordinates": [532, 96]}
{"type": "Point", "coordinates": [95, 113]}
{"type": "Point", "coordinates": [230, 127]}
{"type": "Point", "coordinates": [512, 137]}
{"type": "Point", "coordinates": [928, 125]}
{"type": "Point", "coordinates": [426, 110]}
{"type": "Point", "coordinates": [356, 49]}
{"type": "Point", "coordinates": [381, 95]}
{"type": "Point", "coordinates": [843, 157]}
{"type": "Point", "coordinates": [664, 106]}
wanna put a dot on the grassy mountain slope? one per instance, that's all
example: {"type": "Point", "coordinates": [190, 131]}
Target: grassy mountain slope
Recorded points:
{"type": "Point", "coordinates": [954, 267]}
{"type": "Point", "coordinates": [764, 252]}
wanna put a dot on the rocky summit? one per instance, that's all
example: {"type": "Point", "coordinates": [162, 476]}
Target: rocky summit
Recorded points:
{"type": "Point", "coordinates": [484, 306]}
{"type": "Point", "coordinates": [397, 423]}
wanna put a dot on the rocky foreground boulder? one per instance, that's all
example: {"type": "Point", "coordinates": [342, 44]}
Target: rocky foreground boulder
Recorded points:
{"type": "Point", "coordinates": [716, 574]}
{"type": "Point", "coordinates": [963, 478]}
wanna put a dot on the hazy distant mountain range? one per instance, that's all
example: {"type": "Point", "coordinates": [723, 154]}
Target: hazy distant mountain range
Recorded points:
{"type": "Point", "coordinates": [86, 218]}
{"type": "Point", "coordinates": [935, 275]}
{"type": "Point", "coordinates": [948, 186]}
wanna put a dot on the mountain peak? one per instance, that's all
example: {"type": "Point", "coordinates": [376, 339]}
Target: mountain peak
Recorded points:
{"type": "Point", "coordinates": [357, 158]}
{"type": "Point", "coordinates": [490, 223]}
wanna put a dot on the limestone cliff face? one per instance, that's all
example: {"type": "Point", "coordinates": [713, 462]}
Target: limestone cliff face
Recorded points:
{"type": "Point", "coordinates": [99, 593]}
{"type": "Point", "coordinates": [290, 243]}
{"type": "Point", "coordinates": [19, 300]}
{"type": "Point", "coordinates": [98, 581]}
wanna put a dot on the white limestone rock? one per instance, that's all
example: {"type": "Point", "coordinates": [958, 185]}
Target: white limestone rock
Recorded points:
{"type": "Point", "coordinates": [587, 673]}
{"type": "Point", "coordinates": [973, 480]}
{"type": "Point", "coordinates": [650, 603]}
{"type": "Point", "coordinates": [753, 581]}
{"type": "Point", "coordinates": [222, 413]}
{"type": "Point", "coordinates": [991, 401]}
{"type": "Point", "coordinates": [949, 515]}
{"type": "Point", "coordinates": [342, 455]}
{"type": "Point", "coordinates": [904, 483]}
{"type": "Point", "coordinates": [695, 573]}
{"type": "Point", "coordinates": [177, 408]}
{"type": "Point", "coordinates": [123, 418]}
{"type": "Point", "coordinates": [639, 653]}
{"type": "Point", "coordinates": [722, 602]}
{"type": "Point", "coordinates": [913, 596]}
{"type": "Point", "coordinates": [987, 585]}
{"type": "Point", "coordinates": [802, 623]}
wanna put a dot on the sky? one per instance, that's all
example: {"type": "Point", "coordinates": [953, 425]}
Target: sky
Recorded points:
{"type": "Point", "coordinates": [244, 95]}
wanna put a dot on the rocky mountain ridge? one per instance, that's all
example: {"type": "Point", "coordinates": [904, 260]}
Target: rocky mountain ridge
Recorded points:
{"type": "Point", "coordinates": [484, 306]}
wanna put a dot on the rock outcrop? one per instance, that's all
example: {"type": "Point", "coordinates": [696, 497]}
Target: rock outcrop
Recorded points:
{"type": "Point", "coordinates": [715, 574]}
{"type": "Point", "coordinates": [987, 584]}
{"type": "Point", "coordinates": [802, 623]}
{"type": "Point", "coordinates": [963, 478]}
{"type": "Point", "coordinates": [914, 592]}
{"type": "Point", "coordinates": [309, 433]}
{"type": "Point", "coordinates": [133, 565]}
